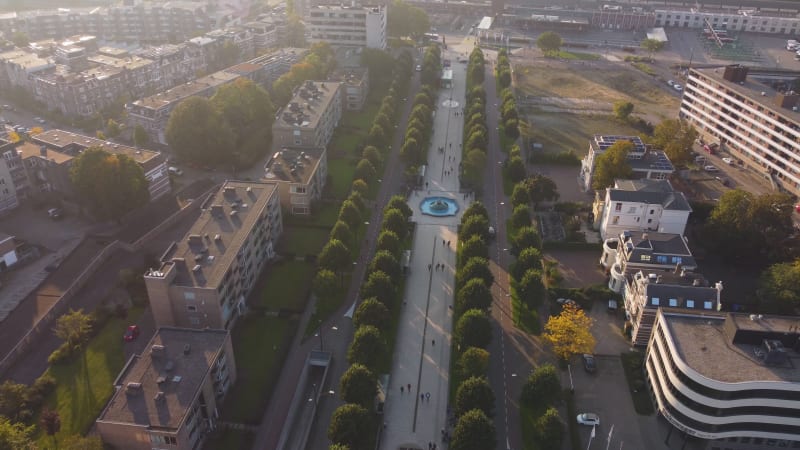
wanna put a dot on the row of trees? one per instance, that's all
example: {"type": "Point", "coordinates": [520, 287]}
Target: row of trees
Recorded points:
{"type": "Point", "coordinates": [420, 127]}
{"type": "Point", "coordinates": [508, 107]}
{"type": "Point", "coordinates": [382, 130]}
{"type": "Point", "coordinates": [474, 400]}
{"type": "Point", "coordinates": [319, 62]}
{"type": "Point", "coordinates": [475, 132]}
{"type": "Point", "coordinates": [367, 353]}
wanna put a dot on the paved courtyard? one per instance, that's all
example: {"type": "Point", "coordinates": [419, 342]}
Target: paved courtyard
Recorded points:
{"type": "Point", "coordinates": [422, 351]}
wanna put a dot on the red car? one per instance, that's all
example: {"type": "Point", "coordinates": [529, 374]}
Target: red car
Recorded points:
{"type": "Point", "coordinates": [131, 333]}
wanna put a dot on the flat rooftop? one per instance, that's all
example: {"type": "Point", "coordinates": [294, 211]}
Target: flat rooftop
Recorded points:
{"type": "Point", "coordinates": [130, 63]}
{"type": "Point", "coordinates": [308, 103]}
{"type": "Point", "coordinates": [216, 237]}
{"type": "Point", "coordinates": [179, 383]}
{"type": "Point", "coordinates": [651, 242]}
{"type": "Point", "coordinates": [703, 343]}
{"type": "Point", "coordinates": [760, 92]}
{"type": "Point", "coordinates": [355, 76]}
{"type": "Point", "coordinates": [27, 60]}
{"type": "Point", "coordinates": [186, 90]}
{"type": "Point", "coordinates": [601, 142]}
{"type": "Point", "coordinates": [31, 150]}
{"type": "Point", "coordinates": [293, 165]}
{"type": "Point", "coordinates": [70, 143]}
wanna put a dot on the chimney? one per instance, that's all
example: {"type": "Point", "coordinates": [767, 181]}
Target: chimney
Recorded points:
{"type": "Point", "coordinates": [735, 73]}
{"type": "Point", "coordinates": [787, 100]}
{"type": "Point", "coordinates": [718, 287]}
{"type": "Point", "coordinates": [43, 150]}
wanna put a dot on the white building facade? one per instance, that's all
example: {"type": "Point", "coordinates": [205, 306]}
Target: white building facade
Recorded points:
{"type": "Point", "coordinates": [348, 26]}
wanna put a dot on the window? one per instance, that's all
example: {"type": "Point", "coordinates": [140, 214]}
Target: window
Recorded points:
{"type": "Point", "coordinates": [632, 210]}
{"type": "Point", "coordinates": [194, 320]}
{"type": "Point", "coordinates": [673, 302]}
{"type": "Point", "coordinates": [649, 220]}
{"type": "Point", "coordinates": [645, 257]}
{"type": "Point", "coordinates": [676, 260]}
{"type": "Point", "coordinates": [158, 439]}
{"type": "Point", "coordinates": [652, 211]}
{"type": "Point", "coordinates": [188, 295]}
{"type": "Point", "coordinates": [708, 305]}
{"type": "Point", "coordinates": [298, 189]}
{"type": "Point", "coordinates": [661, 259]}
{"type": "Point", "coordinates": [618, 207]}
{"type": "Point", "coordinates": [191, 308]}
{"type": "Point", "coordinates": [655, 301]}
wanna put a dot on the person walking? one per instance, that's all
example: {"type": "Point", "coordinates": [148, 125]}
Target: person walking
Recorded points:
{"type": "Point", "coordinates": [428, 396]}
{"type": "Point", "coordinates": [402, 389]}
{"type": "Point", "coordinates": [409, 388]}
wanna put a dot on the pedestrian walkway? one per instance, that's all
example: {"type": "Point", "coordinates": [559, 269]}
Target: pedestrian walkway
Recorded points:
{"type": "Point", "coordinates": [416, 415]}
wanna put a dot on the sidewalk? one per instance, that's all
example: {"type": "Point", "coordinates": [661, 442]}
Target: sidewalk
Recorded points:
{"type": "Point", "coordinates": [422, 351]}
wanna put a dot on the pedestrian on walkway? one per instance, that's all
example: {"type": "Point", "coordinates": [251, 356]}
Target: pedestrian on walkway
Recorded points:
{"type": "Point", "coordinates": [422, 397]}
{"type": "Point", "coordinates": [433, 342]}
{"type": "Point", "coordinates": [428, 396]}
{"type": "Point", "coordinates": [429, 267]}
{"type": "Point", "coordinates": [442, 242]}
{"type": "Point", "coordinates": [402, 389]}
{"type": "Point", "coordinates": [409, 388]}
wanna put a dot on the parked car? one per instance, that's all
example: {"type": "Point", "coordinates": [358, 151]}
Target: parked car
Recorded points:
{"type": "Point", "coordinates": [723, 180]}
{"type": "Point", "coordinates": [131, 333]}
{"type": "Point", "coordinates": [174, 171]}
{"type": "Point", "coordinates": [590, 419]}
{"type": "Point", "coordinates": [677, 87]}
{"type": "Point", "coordinates": [671, 83]}
{"type": "Point", "coordinates": [728, 161]}
{"type": "Point", "coordinates": [54, 213]}
{"type": "Point", "coordinates": [589, 364]}
{"type": "Point", "coordinates": [710, 169]}
{"type": "Point", "coordinates": [418, 68]}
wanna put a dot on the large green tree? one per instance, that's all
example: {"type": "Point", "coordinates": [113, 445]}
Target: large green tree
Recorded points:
{"type": "Point", "coordinates": [380, 286]}
{"type": "Point", "coordinates": [622, 109]}
{"type": "Point", "coordinates": [371, 312]}
{"type": "Point", "coordinates": [652, 46]}
{"type": "Point", "coordinates": [473, 329]}
{"type": "Point", "coordinates": [474, 393]}
{"type": "Point", "coordinates": [474, 362]}
{"type": "Point", "coordinates": [474, 431]}
{"type": "Point", "coordinates": [779, 288]}
{"type": "Point", "coordinates": [676, 137]}
{"type": "Point", "coordinates": [248, 111]}
{"type": "Point", "coordinates": [395, 221]}
{"type": "Point", "coordinates": [474, 294]}
{"type": "Point", "coordinates": [389, 241]}
{"type": "Point", "coordinates": [347, 426]}
{"type": "Point", "coordinates": [542, 386]}
{"type": "Point", "coordinates": [549, 42]}
{"type": "Point", "coordinates": [15, 436]}
{"type": "Point", "coordinates": [197, 132]}
{"type": "Point", "coordinates": [358, 385]}
{"type": "Point", "coordinates": [550, 429]}
{"type": "Point", "coordinates": [475, 268]}
{"type": "Point", "coordinates": [385, 262]}
{"type": "Point", "coordinates": [368, 347]}
{"type": "Point", "coordinates": [474, 247]}
{"type": "Point", "coordinates": [529, 258]}
{"type": "Point", "coordinates": [541, 189]}
{"type": "Point", "coordinates": [472, 226]}
{"type": "Point", "coordinates": [110, 185]}
{"type": "Point", "coordinates": [530, 288]}
{"type": "Point", "coordinates": [611, 165]}
{"type": "Point", "coordinates": [335, 256]}
{"type": "Point", "coordinates": [403, 20]}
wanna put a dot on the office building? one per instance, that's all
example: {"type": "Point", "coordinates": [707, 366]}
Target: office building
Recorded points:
{"type": "Point", "coordinates": [753, 114]}
{"type": "Point", "coordinates": [311, 116]}
{"type": "Point", "coordinates": [730, 382]}
{"type": "Point", "coordinates": [643, 205]}
{"type": "Point", "coordinates": [300, 174]}
{"type": "Point", "coordinates": [750, 20]}
{"type": "Point", "coordinates": [355, 85]}
{"type": "Point", "coordinates": [347, 26]}
{"type": "Point", "coordinates": [170, 395]}
{"type": "Point", "coordinates": [645, 162]}
{"type": "Point", "coordinates": [204, 279]}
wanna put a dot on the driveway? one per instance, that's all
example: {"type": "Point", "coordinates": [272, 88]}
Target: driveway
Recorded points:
{"type": "Point", "coordinates": [34, 226]}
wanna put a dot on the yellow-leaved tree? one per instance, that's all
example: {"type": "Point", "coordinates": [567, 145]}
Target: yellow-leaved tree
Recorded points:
{"type": "Point", "coordinates": [570, 332]}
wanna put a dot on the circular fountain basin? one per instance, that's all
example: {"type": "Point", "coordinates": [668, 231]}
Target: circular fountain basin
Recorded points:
{"type": "Point", "coordinates": [439, 206]}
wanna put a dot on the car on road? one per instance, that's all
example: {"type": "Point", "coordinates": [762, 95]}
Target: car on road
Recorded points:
{"type": "Point", "coordinates": [131, 333]}
{"type": "Point", "coordinates": [590, 419]}
{"type": "Point", "coordinates": [710, 169]}
{"type": "Point", "coordinates": [418, 68]}
{"type": "Point", "coordinates": [39, 120]}
{"type": "Point", "coordinates": [677, 87]}
{"type": "Point", "coordinates": [174, 171]}
{"type": "Point", "coordinates": [589, 364]}
{"type": "Point", "coordinates": [54, 213]}
{"type": "Point", "coordinates": [671, 83]}
{"type": "Point", "coordinates": [728, 161]}
{"type": "Point", "coordinates": [723, 180]}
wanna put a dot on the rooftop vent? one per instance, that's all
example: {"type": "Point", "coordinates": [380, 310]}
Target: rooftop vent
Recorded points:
{"type": "Point", "coordinates": [217, 237]}
{"type": "Point", "coordinates": [187, 348]}
{"type": "Point", "coordinates": [159, 397]}
{"type": "Point", "coordinates": [133, 387]}
{"type": "Point", "coordinates": [196, 268]}
{"type": "Point", "coordinates": [775, 353]}
{"type": "Point", "coordinates": [157, 350]}
{"type": "Point", "coordinates": [169, 366]}
{"type": "Point", "coordinates": [161, 380]}
{"type": "Point", "coordinates": [232, 213]}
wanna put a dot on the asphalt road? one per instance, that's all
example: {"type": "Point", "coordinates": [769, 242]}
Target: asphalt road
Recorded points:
{"type": "Point", "coordinates": [774, 4]}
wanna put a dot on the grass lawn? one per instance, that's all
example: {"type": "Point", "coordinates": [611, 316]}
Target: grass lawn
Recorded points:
{"type": "Point", "coordinates": [301, 241]}
{"type": "Point", "coordinates": [84, 385]}
{"type": "Point", "coordinates": [229, 438]}
{"type": "Point", "coordinates": [564, 54]}
{"type": "Point", "coordinates": [286, 285]}
{"type": "Point", "coordinates": [525, 319]}
{"type": "Point", "coordinates": [326, 307]}
{"type": "Point", "coordinates": [345, 142]}
{"type": "Point", "coordinates": [644, 68]}
{"type": "Point", "coordinates": [260, 344]}
{"type": "Point", "coordinates": [341, 171]}
{"type": "Point", "coordinates": [560, 132]}
{"type": "Point", "coordinates": [632, 364]}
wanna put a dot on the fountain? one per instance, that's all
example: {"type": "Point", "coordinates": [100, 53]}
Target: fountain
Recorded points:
{"type": "Point", "coordinates": [438, 206]}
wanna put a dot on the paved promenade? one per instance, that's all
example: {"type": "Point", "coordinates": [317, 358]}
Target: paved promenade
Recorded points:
{"type": "Point", "coordinates": [422, 351]}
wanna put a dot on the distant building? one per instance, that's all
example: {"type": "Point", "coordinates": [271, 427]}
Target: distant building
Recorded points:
{"type": "Point", "coordinates": [153, 164]}
{"type": "Point", "coordinates": [8, 252]}
{"type": "Point", "coordinates": [311, 116]}
{"type": "Point", "coordinates": [18, 67]}
{"type": "Point", "coordinates": [300, 174]}
{"type": "Point", "coordinates": [752, 20]}
{"type": "Point", "coordinates": [729, 381]}
{"type": "Point", "coordinates": [644, 205]}
{"type": "Point", "coordinates": [646, 163]}
{"type": "Point", "coordinates": [347, 26]}
{"type": "Point", "coordinates": [646, 292]}
{"type": "Point", "coordinates": [170, 395]}
{"type": "Point", "coordinates": [647, 251]}
{"type": "Point", "coordinates": [754, 114]}
{"type": "Point", "coordinates": [9, 199]}
{"type": "Point", "coordinates": [355, 83]}
{"type": "Point", "coordinates": [204, 279]}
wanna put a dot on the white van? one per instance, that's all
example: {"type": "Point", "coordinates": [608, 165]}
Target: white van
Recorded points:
{"type": "Point", "coordinates": [174, 171]}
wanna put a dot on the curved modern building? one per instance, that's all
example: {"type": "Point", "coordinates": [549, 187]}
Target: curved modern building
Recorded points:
{"type": "Point", "coordinates": [732, 380]}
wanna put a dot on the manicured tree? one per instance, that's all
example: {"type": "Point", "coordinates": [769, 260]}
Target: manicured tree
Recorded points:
{"type": "Point", "coordinates": [341, 231]}
{"type": "Point", "coordinates": [384, 261]}
{"type": "Point", "coordinates": [475, 209]}
{"type": "Point", "coordinates": [474, 362]}
{"type": "Point", "coordinates": [324, 285]}
{"type": "Point", "coordinates": [474, 431]}
{"type": "Point", "coordinates": [365, 171]}
{"type": "Point", "coordinates": [475, 268]}
{"type": "Point", "coordinates": [550, 429]}
{"type": "Point", "coordinates": [531, 288]}
{"type": "Point", "coordinates": [360, 186]}
{"type": "Point", "coordinates": [474, 247]}
{"type": "Point", "coordinates": [542, 386]}
{"type": "Point", "coordinates": [347, 426]}
{"type": "Point", "coordinates": [474, 226]}
{"type": "Point", "coordinates": [474, 393]}
{"type": "Point", "coordinates": [622, 109]}
{"type": "Point", "coordinates": [380, 286]}
{"type": "Point", "coordinates": [384, 122]}
{"type": "Point", "coordinates": [521, 217]}
{"type": "Point", "coordinates": [399, 202]}
{"type": "Point", "coordinates": [372, 155]}
{"type": "Point", "coordinates": [371, 312]}
{"type": "Point", "coordinates": [367, 348]}
{"type": "Point", "coordinates": [350, 214]}
{"type": "Point", "coordinates": [520, 195]}
{"type": "Point", "coordinates": [549, 42]}
{"type": "Point", "coordinates": [473, 329]}
{"type": "Point", "coordinates": [389, 241]}
{"type": "Point", "coordinates": [358, 385]}
{"type": "Point", "coordinates": [529, 258]}
{"type": "Point", "coordinates": [396, 222]}
{"type": "Point", "coordinates": [335, 256]}
{"type": "Point", "coordinates": [526, 237]}
{"type": "Point", "coordinates": [541, 189]}
{"type": "Point", "coordinates": [474, 294]}
{"type": "Point", "coordinates": [516, 169]}
{"type": "Point", "coordinates": [358, 200]}
{"type": "Point", "coordinates": [377, 137]}
{"type": "Point", "coordinates": [411, 152]}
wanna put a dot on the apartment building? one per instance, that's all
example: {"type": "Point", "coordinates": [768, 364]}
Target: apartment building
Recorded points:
{"type": "Point", "coordinates": [241, 37]}
{"type": "Point", "coordinates": [347, 26]}
{"type": "Point", "coordinates": [144, 22]}
{"type": "Point", "coordinates": [755, 116]}
{"type": "Point", "coordinates": [8, 191]}
{"type": "Point", "coordinates": [8, 252]}
{"type": "Point", "coordinates": [646, 163]}
{"type": "Point", "coordinates": [300, 174]}
{"type": "Point", "coordinates": [643, 205]}
{"type": "Point", "coordinates": [205, 278]}
{"type": "Point", "coordinates": [644, 251]}
{"type": "Point", "coordinates": [18, 67]}
{"type": "Point", "coordinates": [729, 382]}
{"type": "Point", "coordinates": [311, 116]}
{"type": "Point", "coordinates": [750, 20]}
{"type": "Point", "coordinates": [169, 396]}
{"type": "Point", "coordinates": [46, 171]}
{"type": "Point", "coordinates": [681, 290]}
{"type": "Point", "coordinates": [355, 86]}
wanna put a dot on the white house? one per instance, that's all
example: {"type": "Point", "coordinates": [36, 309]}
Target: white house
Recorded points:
{"type": "Point", "coordinates": [645, 162]}
{"type": "Point", "coordinates": [643, 205]}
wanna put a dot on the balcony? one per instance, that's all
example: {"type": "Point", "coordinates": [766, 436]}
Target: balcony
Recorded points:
{"type": "Point", "coordinates": [617, 280]}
